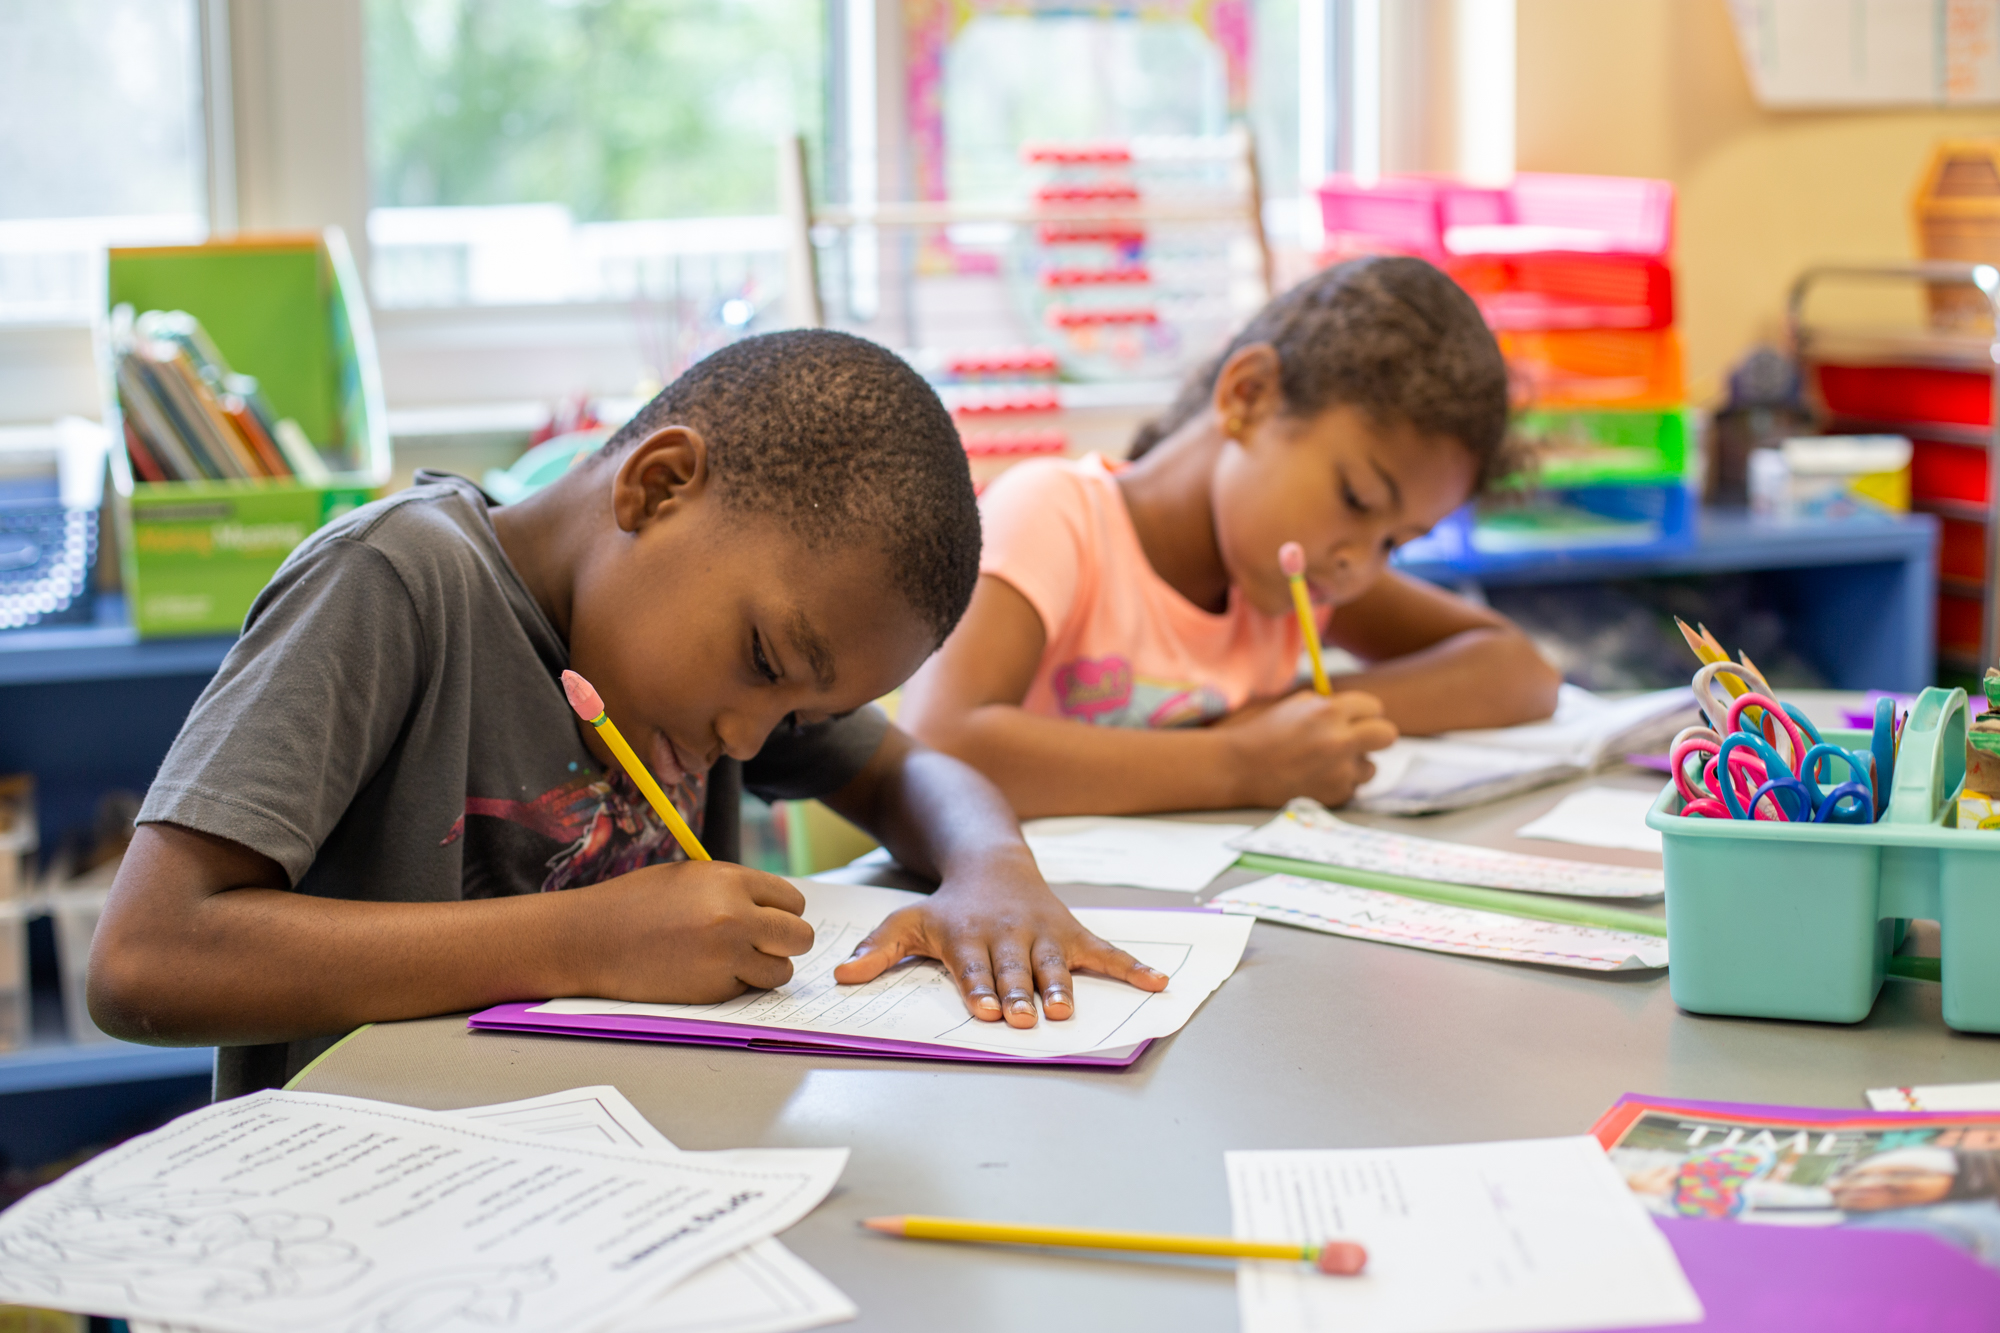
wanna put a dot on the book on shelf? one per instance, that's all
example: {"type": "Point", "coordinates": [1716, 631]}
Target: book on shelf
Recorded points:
{"type": "Point", "coordinates": [189, 417]}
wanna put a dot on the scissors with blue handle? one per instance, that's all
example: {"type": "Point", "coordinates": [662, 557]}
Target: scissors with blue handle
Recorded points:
{"type": "Point", "coordinates": [1882, 745]}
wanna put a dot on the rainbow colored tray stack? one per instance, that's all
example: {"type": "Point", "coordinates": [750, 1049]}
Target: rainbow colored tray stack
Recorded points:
{"type": "Point", "coordinates": [1573, 275]}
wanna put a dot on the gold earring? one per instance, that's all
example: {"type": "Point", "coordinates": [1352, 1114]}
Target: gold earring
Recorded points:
{"type": "Point", "coordinates": [1233, 428]}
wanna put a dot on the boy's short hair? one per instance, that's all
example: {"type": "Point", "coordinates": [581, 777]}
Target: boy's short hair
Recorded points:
{"type": "Point", "coordinates": [1389, 334]}
{"type": "Point", "coordinates": [841, 441]}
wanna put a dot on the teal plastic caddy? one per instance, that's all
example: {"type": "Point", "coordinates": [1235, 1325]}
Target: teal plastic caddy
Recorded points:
{"type": "Point", "coordinates": [1776, 920]}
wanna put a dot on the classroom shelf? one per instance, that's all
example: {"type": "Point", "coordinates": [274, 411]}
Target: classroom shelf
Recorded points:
{"type": "Point", "coordinates": [43, 1068]}
{"type": "Point", "coordinates": [1860, 594]}
{"type": "Point", "coordinates": [107, 649]}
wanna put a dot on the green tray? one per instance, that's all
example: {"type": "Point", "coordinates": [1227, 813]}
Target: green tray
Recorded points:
{"type": "Point", "coordinates": [288, 310]}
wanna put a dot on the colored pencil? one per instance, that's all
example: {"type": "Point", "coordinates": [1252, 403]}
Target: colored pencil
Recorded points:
{"type": "Point", "coordinates": [1292, 559]}
{"type": "Point", "coordinates": [1338, 1258]}
{"type": "Point", "coordinates": [590, 707]}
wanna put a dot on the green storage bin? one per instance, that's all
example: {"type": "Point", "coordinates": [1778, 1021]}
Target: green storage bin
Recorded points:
{"type": "Point", "coordinates": [1774, 920]}
{"type": "Point", "coordinates": [290, 311]}
{"type": "Point", "coordinates": [1605, 447]}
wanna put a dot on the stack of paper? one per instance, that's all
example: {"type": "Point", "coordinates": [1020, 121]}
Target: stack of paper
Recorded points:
{"type": "Point", "coordinates": [1460, 768]}
{"type": "Point", "coordinates": [1307, 831]}
{"type": "Point", "coordinates": [914, 1009]}
{"type": "Point", "coordinates": [1391, 918]}
{"type": "Point", "coordinates": [313, 1213]}
{"type": "Point", "coordinates": [1142, 853]}
{"type": "Point", "coordinates": [1463, 1238]}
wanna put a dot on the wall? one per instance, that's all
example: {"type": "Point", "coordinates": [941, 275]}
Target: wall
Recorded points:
{"type": "Point", "coordinates": [1656, 88]}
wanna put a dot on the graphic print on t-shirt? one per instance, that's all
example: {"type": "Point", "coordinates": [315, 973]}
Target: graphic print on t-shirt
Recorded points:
{"type": "Point", "coordinates": [601, 827]}
{"type": "Point", "coordinates": [1105, 692]}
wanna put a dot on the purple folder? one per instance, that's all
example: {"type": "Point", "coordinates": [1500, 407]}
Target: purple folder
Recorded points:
{"type": "Point", "coordinates": [1768, 1279]}
{"type": "Point", "coordinates": [796, 1041]}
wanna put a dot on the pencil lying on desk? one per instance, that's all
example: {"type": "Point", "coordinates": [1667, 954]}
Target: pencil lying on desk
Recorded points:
{"type": "Point", "coordinates": [589, 706]}
{"type": "Point", "coordinates": [1338, 1258]}
{"type": "Point", "coordinates": [1292, 559]}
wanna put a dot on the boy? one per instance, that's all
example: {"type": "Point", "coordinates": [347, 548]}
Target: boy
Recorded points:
{"type": "Point", "coordinates": [365, 813]}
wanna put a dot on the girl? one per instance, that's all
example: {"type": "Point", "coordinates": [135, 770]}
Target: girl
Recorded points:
{"type": "Point", "coordinates": [1131, 644]}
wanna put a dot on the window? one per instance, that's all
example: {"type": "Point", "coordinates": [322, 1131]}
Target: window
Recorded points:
{"type": "Point", "coordinates": [105, 142]}
{"type": "Point", "coordinates": [562, 150]}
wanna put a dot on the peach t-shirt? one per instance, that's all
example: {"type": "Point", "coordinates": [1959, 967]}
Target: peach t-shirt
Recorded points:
{"type": "Point", "coordinates": [1124, 648]}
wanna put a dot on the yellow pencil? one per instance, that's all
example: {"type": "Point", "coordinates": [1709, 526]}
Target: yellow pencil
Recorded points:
{"type": "Point", "coordinates": [590, 707]}
{"type": "Point", "coordinates": [1710, 652]}
{"type": "Point", "coordinates": [1292, 559]}
{"type": "Point", "coordinates": [1338, 1258]}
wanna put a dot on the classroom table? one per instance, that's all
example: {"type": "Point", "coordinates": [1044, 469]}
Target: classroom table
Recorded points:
{"type": "Point", "coordinates": [1315, 1042]}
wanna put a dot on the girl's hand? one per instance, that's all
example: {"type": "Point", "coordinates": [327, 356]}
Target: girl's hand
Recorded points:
{"type": "Point", "coordinates": [1004, 936]}
{"type": "Point", "coordinates": [691, 932]}
{"type": "Point", "coordinates": [1306, 745]}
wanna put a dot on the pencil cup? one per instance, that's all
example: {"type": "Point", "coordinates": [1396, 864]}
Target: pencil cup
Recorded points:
{"type": "Point", "coordinates": [1777, 920]}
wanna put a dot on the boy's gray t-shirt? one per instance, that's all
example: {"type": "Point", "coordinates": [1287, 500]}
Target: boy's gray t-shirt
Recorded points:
{"type": "Point", "coordinates": [392, 726]}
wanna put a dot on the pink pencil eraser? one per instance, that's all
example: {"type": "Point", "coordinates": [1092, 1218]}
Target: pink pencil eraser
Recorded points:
{"type": "Point", "coordinates": [1341, 1258]}
{"type": "Point", "coordinates": [1292, 559]}
{"type": "Point", "coordinates": [582, 697]}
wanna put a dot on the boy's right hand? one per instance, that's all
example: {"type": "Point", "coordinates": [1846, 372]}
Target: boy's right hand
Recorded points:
{"type": "Point", "coordinates": [692, 932]}
{"type": "Point", "coordinates": [1307, 745]}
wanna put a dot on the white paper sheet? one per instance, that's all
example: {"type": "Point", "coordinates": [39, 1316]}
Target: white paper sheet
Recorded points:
{"type": "Point", "coordinates": [1139, 853]}
{"type": "Point", "coordinates": [1599, 817]}
{"type": "Point", "coordinates": [916, 1000]}
{"type": "Point", "coordinates": [763, 1288]}
{"type": "Point", "coordinates": [1461, 768]}
{"type": "Point", "coordinates": [1389, 918]}
{"type": "Point", "coordinates": [1464, 1238]}
{"type": "Point", "coordinates": [1937, 1097]}
{"type": "Point", "coordinates": [308, 1212]}
{"type": "Point", "coordinates": [1307, 831]}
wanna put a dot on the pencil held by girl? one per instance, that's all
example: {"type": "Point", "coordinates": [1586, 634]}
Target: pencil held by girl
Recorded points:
{"type": "Point", "coordinates": [1133, 642]}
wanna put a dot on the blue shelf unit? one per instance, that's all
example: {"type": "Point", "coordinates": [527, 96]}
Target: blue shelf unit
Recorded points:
{"type": "Point", "coordinates": [1859, 596]}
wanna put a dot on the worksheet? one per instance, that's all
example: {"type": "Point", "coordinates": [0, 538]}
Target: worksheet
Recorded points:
{"type": "Point", "coordinates": [1390, 918]}
{"type": "Point", "coordinates": [314, 1213]}
{"type": "Point", "coordinates": [1423, 774]}
{"type": "Point", "coordinates": [762, 1288]}
{"type": "Point", "coordinates": [1540, 1234]}
{"type": "Point", "coordinates": [1937, 1097]}
{"type": "Point", "coordinates": [917, 1001]}
{"type": "Point", "coordinates": [1140, 853]}
{"type": "Point", "coordinates": [1599, 817]}
{"type": "Point", "coordinates": [1308, 831]}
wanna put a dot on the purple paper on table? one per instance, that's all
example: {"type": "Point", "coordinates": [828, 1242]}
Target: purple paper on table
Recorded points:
{"type": "Point", "coordinates": [1659, 763]}
{"type": "Point", "coordinates": [1765, 1279]}
{"type": "Point", "coordinates": [700, 1032]}
{"type": "Point", "coordinates": [1863, 718]}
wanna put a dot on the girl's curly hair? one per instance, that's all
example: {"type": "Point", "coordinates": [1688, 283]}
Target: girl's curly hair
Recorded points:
{"type": "Point", "coordinates": [1388, 334]}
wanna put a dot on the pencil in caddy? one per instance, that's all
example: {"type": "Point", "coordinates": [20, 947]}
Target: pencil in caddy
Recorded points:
{"type": "Point", "coordinates": [1778, 919]}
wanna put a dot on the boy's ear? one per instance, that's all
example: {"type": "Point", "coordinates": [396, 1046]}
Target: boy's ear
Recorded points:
{"type": "Point", "coordinates": [666, 469]}
{"type": "Point", "coordinates": [1248, 387]}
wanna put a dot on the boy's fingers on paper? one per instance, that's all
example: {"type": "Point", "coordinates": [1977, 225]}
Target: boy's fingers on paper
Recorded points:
{"type": "Point", "coordinates": [882, 948]}
{"type": "Point", "coordinates": [1375, 733]}
{"type": "Point", "coordinates": [780, 933]}
{"type": "Point", "coordinates": [1098, 956]}
{"type": "Point", "coordinates": [1016, 980]}
{"type": "Point", "coordinates": [1053, 978]}
{"type": "Point", "coordinates": [762, 970]}
{"type": "Point", "coordinates": [770, 891]}
{"type": "Point", "coordinates": [973, 970]}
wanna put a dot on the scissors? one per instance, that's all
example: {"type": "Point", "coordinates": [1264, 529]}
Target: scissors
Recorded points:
{"type": "Point", "coordinates": [1714, 702]}
{"type": "Point", "coordinates": [1774, 720]}
{"type": "Point", "coordinates": [1882, 742]}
